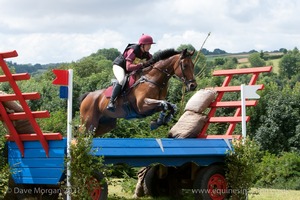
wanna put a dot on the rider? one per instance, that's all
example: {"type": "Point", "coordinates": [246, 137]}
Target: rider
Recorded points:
{"type": "Point", "coordinates": [131, 60]}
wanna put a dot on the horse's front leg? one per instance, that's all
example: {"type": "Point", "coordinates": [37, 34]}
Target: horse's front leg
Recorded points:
{"type": "Point", "coordinates": [168, 111]}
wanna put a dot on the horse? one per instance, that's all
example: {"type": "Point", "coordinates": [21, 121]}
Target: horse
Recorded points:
{"type": "Point", "coordinates": [146, 96]}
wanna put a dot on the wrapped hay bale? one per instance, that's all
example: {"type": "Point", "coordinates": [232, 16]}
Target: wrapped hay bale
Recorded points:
{"type": "Point", "coordinates": [11, 106]}
{"type": "Point", "coordinates": [188, 126]}
{"type": "Point", "coordinates": [21, 126]}
{"type": "Point", "coordinates": [200, 100]}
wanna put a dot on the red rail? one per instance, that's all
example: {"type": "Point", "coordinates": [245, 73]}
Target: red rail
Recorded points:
{"type": "Point", "coordinates": [236, 118]}
{"type": "Point", "coordinates": [27, 114]}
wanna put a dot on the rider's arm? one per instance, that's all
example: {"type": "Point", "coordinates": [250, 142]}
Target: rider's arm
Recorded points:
{"type": "Point", "coordinates": [130, 65]}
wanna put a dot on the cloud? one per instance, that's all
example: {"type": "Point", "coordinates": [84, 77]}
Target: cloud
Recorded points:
{"type": "Point", "coordinates": [67, 30]}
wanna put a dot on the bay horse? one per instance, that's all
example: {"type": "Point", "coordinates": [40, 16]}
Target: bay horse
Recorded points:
{"type": "Point", "coordinates": [144, 98]}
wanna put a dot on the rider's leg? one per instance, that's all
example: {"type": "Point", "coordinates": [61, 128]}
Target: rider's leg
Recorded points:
{"type": "Point", "coordinates": [120, 76]}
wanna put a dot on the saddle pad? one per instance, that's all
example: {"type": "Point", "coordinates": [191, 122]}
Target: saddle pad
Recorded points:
{"type": "Point", "coordinates": [108, 91]}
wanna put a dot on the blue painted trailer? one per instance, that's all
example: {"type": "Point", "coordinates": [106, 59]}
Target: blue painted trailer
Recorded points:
{"type": "Point", "coordinates": [169, 152]}
{"type": "Point", "coordinates": [36, 168]}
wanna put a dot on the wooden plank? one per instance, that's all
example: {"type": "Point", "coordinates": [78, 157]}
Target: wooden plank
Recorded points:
{"type": "Point", "coordinates": [230, 137]}
{"type": "Point", "coordinates": [36, 180]}
{"type": "Point", "coordinates": [157, 152]}
{"type": "Point", "coordinates": [10, 126]}
{"type": "Point", "coordinates": [152, 143]}
{"type": "Point", "coordinates": [9, 54]}
{"type": "Point", "coordinates": [224, 104]}
{"type": "Point", "coordinates": [37, 172]}
{"type": "Point", "coordinates": [38, 175]}
{"type": "Point", "coordinates": [232, 88]}
{"type": "Point", "coordinates": [16, 77]}
{"type": "Point", "coordinates": [242, 71]}
{"type": "Point", "coordinates": [36, 162]}
{"type": "Point", "coordinates": [37, 145]}
{"type": "Point", "coordinates": [23, 115]}
{"type": "Point", "coordinates": [34, 137]}
{"type": "Point", "coordinates": [36, 153]}
{"type": "Point", "coordinates": [13, 97]}
{"type": "Point", "coordinates": [227, 119]}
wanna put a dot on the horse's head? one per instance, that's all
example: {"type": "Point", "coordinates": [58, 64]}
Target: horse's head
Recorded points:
{"type": "Point", "coordinates": [172, 63]}
{"type": "Point", "coordinates": [185, 70]}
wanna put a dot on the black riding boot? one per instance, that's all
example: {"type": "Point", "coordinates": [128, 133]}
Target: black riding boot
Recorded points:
{"type": "Point", "coordinates": [115, 93]}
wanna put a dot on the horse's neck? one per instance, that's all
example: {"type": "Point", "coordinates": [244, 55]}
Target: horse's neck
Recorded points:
{"type": "Point", "coordinates": [163, 70]}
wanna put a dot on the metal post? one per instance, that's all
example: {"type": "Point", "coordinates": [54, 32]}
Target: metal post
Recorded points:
{"type": "Point", "coordinates": [244, 134]}
{"type": "Point", "coordinates": [69, 131]}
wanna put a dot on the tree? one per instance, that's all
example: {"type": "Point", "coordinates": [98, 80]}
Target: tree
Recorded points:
{"type": "Point", "coordinates": [219, 51]}
{"type": "Point", "coordinates": [284, 50]}
{"type": "Point", "coordinates": [279, 122]}
{"type": "Point", "coordinates": [289, 65]}
{"type": "Point", "coordinates": [219, 61]}
{"type": "Point", "coordinates": [109, 54]}
{"type": "Point", "coordinates": [205, 51]}
{"type": "Point", "coordinates": [186, 46]}
{"type": "Point", "coordinates": [255, 60]}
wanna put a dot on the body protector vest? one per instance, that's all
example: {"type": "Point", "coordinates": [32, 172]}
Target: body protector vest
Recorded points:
{"type": "Point", "coordinates": [121, 61]}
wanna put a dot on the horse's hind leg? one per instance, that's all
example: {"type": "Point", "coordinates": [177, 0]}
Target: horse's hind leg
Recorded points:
{"type": "Point", "coordinates": [89, 115]}
{"type": "Point", "coordinates": [105, 125]}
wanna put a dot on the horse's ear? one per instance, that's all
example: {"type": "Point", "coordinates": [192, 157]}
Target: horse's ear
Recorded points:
{"type": "Point", "coordinates": [183, 53]}
{"type": "Point", "coordinates": [192, 53]}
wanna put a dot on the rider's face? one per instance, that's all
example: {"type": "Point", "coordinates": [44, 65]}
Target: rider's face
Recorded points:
{"type": "Point", "coordinates": [147, 47]}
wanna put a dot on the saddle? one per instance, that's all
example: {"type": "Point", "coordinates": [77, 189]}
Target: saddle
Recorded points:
{"type": "Point", "coordinates": [130, 81]}
{"type": "Point", "coordinates": [131, 113]}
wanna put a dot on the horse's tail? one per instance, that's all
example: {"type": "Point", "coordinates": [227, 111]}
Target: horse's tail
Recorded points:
{"type": "Point", "coordinates": [82, 97]}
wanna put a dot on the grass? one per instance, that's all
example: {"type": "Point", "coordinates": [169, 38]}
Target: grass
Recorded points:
{"type": "Point", "coordinates": [273, 62]}
{"type": "Point", "coordinates": [116, 193]}
{"type": "Point", "coordinates": [274, 194]}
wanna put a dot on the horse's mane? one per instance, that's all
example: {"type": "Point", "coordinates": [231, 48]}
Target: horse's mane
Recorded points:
{"type": "Point", "coordinates": [161, 55]}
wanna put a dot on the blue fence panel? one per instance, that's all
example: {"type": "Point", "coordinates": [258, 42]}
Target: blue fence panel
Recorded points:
{"type": "Point", "coordinates": [35, 167]}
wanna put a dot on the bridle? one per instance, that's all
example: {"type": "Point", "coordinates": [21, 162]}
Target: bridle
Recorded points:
{"type": "Point", "coordinates": [183, 78]}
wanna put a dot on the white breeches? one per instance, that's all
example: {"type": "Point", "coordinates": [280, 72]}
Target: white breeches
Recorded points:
{"type": "Point", "coordinates": [119, 73]}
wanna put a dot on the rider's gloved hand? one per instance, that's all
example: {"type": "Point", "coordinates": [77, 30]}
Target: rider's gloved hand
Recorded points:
{"type": "Point", "coordinates": [142, 65]}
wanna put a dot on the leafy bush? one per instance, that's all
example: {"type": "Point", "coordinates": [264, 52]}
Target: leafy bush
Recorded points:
{"type": "Point", "coordinates": [280, 172]}
{"type": "Point", "coordinates": [241, 167]}
{"type": "Point", "coordinates": [83, 165]}
{"type": "Point", "coordinates": [4, 169]}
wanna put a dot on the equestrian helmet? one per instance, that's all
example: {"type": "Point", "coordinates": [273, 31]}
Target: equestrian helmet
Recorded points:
{"type": "Point", "coordinates": [146, 39]}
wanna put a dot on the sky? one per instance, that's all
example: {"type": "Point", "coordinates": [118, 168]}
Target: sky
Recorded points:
{"type": "Point", "coordinates": [54, 31]}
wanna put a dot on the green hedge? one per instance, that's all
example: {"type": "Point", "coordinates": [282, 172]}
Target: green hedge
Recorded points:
{"type": "Point", "coordinates": [280, 172]}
